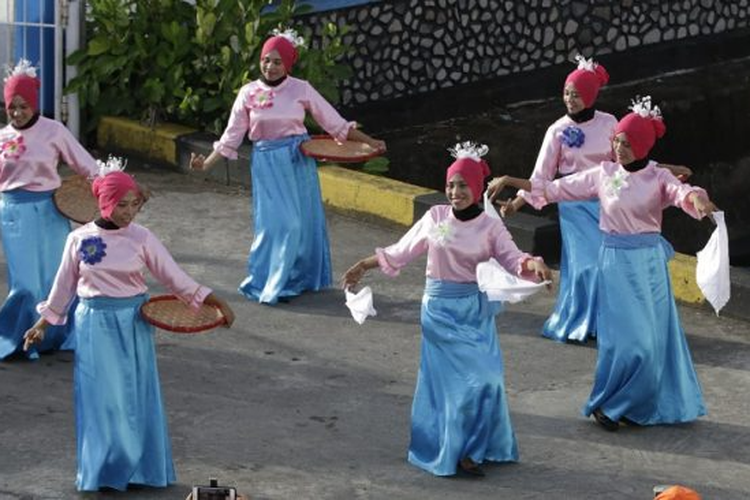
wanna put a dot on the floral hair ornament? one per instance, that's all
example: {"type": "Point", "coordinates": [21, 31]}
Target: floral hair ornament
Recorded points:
{"type": "Point", "coordinates": [24, 67]}
{"type": "Point", "coordinates": [642, 107]}
{"type": "Point", "coordinates": [585, 64]}
{"type": "Point", "coordinates": [112, 185]}
{"type": "Point", "coordinates": [113, 164]}
{"type": "Point", "coordinates": [642, 126]}
{"type": "Point", "coordinates": [291, 34]}
{"type": "Point", "coordinates": [588, 78]}
{"type": "Point", "coordinates": [470, 165]}
{"type": "Point", "coordinates": [21, 81]}
{"type": "Point", "coordinates": [468, 149]}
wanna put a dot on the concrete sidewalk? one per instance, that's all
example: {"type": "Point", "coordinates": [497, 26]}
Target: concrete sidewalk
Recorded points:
{"type": "Point", "coordinates": [299, 402]}
{"type": "Point", "coordinates": [379, 198]}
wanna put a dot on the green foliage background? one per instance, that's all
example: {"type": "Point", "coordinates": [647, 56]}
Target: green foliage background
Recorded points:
{"type": "Point", "coordinates": [170, 60]}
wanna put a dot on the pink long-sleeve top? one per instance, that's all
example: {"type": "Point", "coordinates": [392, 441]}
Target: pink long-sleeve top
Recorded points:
{"type": "Point", "coordinates": [119, 273]}
{"type": "Point", "coordinates": [454, 247]}
{"type": "Point", "coordinates": [29, 158]}
{"type": "Point", "coordinates": [557, 157]}
{"type": "Point", "coordinates": [631, 202]}
{"type": "Point", "coordinates": [263, 112]}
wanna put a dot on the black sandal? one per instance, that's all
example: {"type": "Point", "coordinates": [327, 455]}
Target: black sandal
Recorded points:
{"type": "Point", "coordinates": [470, 467]}
{"type": "Point", "coordinates": [606, 422]}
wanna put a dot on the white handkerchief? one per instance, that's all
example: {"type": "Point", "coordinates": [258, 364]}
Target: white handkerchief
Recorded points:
{"type": "Point", "coordinates": [712, 270]}
{"type": "Point", "coordinates": [489, 208]}
{"type": "Point", "coordinates": [360, 304]}
{"type": "Point", "coordinates": [500, 285]}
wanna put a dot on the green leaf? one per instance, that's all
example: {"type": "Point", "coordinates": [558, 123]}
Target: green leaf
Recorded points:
{"type": "Point", "coordinates": [376, 166]}
{"type": "Point", "coordinates": [98, 46]}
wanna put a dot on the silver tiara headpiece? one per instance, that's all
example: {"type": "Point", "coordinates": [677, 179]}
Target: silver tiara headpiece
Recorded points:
{"type": "Point", "coordinates": [642, 107]}
{"type": "Point", "coordinates": [586, 64]}
{"type": "Point", "coordinates": [468, 149]}
{"type": "Point", "coordinates": [23, 67]}
{"type": "Point", "coordinates": [113, 164]}
{"type": "Point", "coordinates": [291, 35]}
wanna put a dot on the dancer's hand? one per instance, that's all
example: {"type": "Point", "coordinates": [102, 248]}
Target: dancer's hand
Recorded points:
{"type": "Point", "coordinates": [540, 270]}
{"type": "Point", "coordinates": [357, 135]}
{"type": "Point", "coordinates": [226, 311]}
{"type": "Point", "coordinates": [495, 186]}
{"type": "Point", "coordinates": [508, 208]}
{"type": "Point", "coordinates": [35, 334]}
{"type": "Point", "coordinates": [197, 162]}
{"type": "Point", "coordinates": [354, 274]}
{"type": "Point", "coordinates": [703, 206]}
{"type": "Point", "coordinates": [378, 146]}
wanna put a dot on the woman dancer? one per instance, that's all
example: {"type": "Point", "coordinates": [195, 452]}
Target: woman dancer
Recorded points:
{"type": "Point", "coordinates": [576, 142]}
{"type": "Point", "coordinates": [460, 413]}
{"type": "Point", "coordinates": [121, 427]}
{"type": "Point", "coordinates": [33, 231]}
{"type": "Point", "coordinates": [644, 372]}
{"type": "Point", "coordinates": [290, 252]}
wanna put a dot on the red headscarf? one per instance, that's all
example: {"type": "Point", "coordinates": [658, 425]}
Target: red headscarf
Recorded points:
{"type": "Point", "coordinates": [641, 132]}
{"type": "Point", "coordinates": [473, 171]}
{"type": "Point", "coordinates": [286, 49]}
{"type": "Point", "coordinates": [588, 79]}
{"type": "Point", "coordinates": [22, 85]}
{"type": "Point", "coordinates": [110, 189]}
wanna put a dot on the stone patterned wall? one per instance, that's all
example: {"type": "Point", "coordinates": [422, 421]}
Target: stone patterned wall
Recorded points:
{"type": "Point", "coordinates": [409, 46]}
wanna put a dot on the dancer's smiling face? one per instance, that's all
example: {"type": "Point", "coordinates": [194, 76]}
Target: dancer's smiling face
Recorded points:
{"type": "Point", "coordinates": [458, 192]}
{"type": "Point", "coordinates": [623, 151]}
{"type": "Point", "coordinates": [19, 111]}
{"type": "Point", "coordinates": [572, 99]}
{"type": "Point", "coordinates": [272, 66]}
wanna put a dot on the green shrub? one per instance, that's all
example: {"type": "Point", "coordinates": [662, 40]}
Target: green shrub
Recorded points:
{"type": "Point", "coordinates": [154, 60]}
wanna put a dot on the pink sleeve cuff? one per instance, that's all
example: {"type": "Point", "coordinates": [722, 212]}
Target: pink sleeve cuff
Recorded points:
{"type": "Point", "coordinates": [533, 198]}
{"type": "Point", "coordinates": [52, 317]}
{"type": "Point", "coordinates": [539, 192]}
{"type": "Point", "coordinates": [225, 150]}
{"type": "Point", "coordinates": [385, 265]}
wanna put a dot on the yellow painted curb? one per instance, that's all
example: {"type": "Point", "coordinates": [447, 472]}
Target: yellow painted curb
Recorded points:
{"type": "Point", "coordinates": [157, 144]}
{"type": "Point", "coordinates": [346, 189]}
{"type": "Point", "coordinates": [682, 273]}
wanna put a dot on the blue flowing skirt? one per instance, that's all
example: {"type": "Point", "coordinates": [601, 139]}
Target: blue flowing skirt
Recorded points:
{"type": "Point", "coordinates": [460, 408]}
{"type": "Point", "coordinates": [121, 427]}
{"type": "Point", "coordinates": [644, 371]}
{"type": "Point", "coordinates": [574, 316]}
{"type": "Point", "coordinates": [290, 252]}
{"type": "Point", "coordinates": [34, 235]}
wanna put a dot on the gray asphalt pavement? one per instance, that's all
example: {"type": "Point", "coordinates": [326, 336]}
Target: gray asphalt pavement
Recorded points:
{"type": "Point", "coordinates": [297, 401]}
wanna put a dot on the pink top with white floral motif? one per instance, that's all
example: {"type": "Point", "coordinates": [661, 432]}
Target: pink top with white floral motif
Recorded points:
{"type": "Point", "coordinates": [561, 155]}
{"type": "Point", "coordinates": [454, 247]}
{"type": "Point", "coordinates": [110, 263]}
{"type": "Point", "coordinates": [631, 202]}
{"type": "Point", "coordinates": [29, 157]}
{"type": "Point", "coordinates": [263, 112]}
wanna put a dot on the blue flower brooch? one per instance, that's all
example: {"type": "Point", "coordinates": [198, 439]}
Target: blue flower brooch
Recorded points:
{"type": "Point", "coordinates": [573, 137]}
{"type": "Point", "coordinates": [92, 250]}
